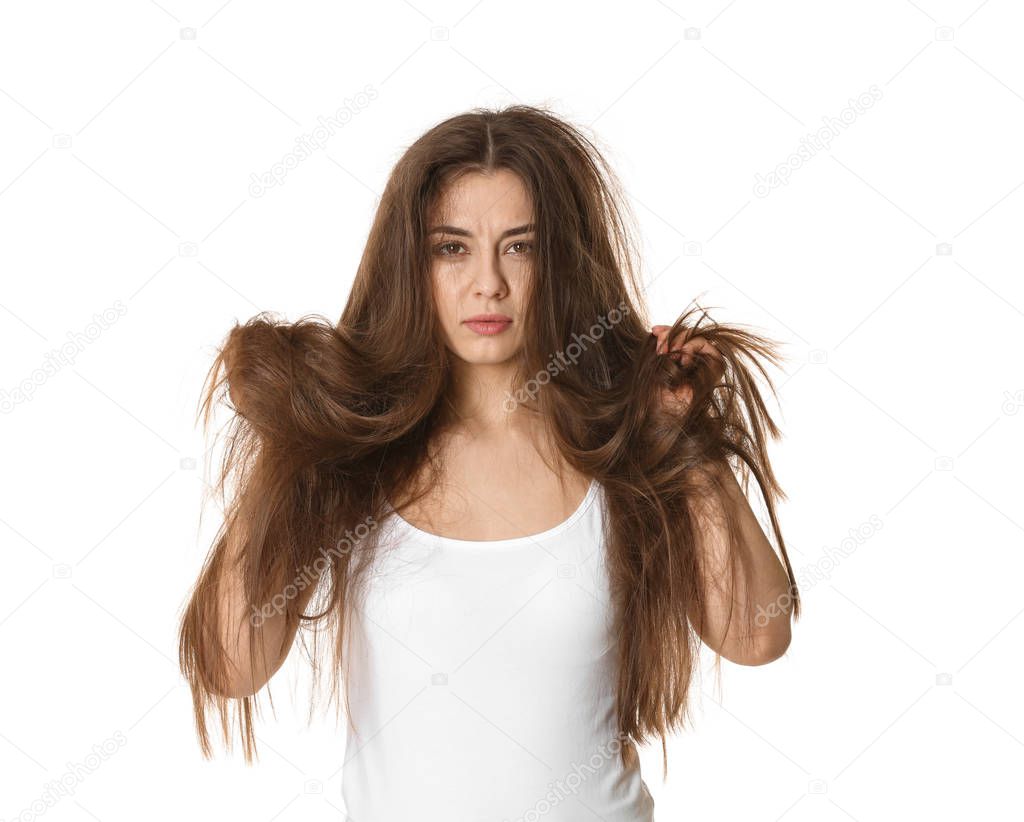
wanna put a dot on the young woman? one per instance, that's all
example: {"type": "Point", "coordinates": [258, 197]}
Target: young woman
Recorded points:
{"type": "Point", "coordinates": [510, 501]}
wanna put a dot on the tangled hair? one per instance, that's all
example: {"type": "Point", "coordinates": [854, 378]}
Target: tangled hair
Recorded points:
{"type": "Point", "coordinates": [331, 421]}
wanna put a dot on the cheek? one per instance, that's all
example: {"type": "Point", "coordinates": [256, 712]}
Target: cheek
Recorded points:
{"type": "Point", "coordinates": [445, 288]}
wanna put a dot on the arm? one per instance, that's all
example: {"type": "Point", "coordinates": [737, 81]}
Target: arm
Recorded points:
{"type": "Point", "coordinates": [758, 629]}
{"type": "Point", "coordinates": [239, 622]}
{"type": "Point", "coordinates": [228, 614]}
{"type": "Point", "coordinates": [764, 599]}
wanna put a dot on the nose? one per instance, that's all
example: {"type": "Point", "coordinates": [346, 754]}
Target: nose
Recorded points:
{"type": "Point", "coordinates": [488, 279]}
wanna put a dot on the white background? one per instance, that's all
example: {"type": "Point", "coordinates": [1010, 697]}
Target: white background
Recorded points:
{"type": "Point", "coordinates": [125, 170]}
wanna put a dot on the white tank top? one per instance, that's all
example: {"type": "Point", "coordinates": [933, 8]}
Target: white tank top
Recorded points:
{"type": "Point", "coordinates": [481, 681]}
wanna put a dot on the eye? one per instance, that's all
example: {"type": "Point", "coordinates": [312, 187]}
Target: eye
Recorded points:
{"type": "Point", "coordinates": [442, 248]}
{"type": "Point", "coordinates": [528, 246]}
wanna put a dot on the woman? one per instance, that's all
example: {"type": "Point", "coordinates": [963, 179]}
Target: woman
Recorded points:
{"type": "Point", "coordinates": [513, 500]}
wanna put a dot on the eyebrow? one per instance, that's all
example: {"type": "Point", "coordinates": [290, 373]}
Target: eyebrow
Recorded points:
{"type": "Point", "coordinates": [451, 229]}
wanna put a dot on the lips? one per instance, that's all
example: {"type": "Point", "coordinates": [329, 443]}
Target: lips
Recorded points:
{"type": "Point", "coordinates": [489, 318]}
{"type": "Point", "coordinates": [488, 324]}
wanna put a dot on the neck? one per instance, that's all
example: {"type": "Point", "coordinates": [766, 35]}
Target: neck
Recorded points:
{"type": "Point", "coordinates": [481, 401]}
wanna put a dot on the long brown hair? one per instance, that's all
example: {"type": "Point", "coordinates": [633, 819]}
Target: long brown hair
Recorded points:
{"type": "Point", "coordinates": [333, 420]}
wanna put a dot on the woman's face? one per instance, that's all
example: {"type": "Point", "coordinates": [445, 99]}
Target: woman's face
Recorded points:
{"type": "Point", "coordinates": [481, 246]}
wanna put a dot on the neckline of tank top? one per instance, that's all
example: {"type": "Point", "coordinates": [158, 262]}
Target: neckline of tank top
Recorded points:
{"type": "Point", "coordinates": [510, 542]}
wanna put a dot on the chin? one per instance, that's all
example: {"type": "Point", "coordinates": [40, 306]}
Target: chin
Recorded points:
{"type": "Point", "coordinates": [491, 358]}
{"type": "Point", "coordinates": [489, 354]}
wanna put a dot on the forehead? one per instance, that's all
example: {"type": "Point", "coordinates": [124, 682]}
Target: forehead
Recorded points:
{"type": "Point", "coordinates": [477, 198]}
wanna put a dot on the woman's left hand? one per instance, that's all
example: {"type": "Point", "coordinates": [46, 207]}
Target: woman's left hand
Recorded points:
{"type": "Point", "coordinates": [683, 395]}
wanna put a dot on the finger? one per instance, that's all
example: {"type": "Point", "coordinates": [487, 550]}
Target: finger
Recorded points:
{"type": "Point", "coordinates": [701, 344]}
{"type": "Point", "coordinates": [717, 361]}
{"type": "Point", "coordinates": [658, 332]}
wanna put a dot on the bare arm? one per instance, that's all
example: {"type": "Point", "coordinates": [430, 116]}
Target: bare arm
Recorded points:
{"type": "Point", "coordinates": [234, 620]}
{"type": "Point", "coordinates": [764, 598]}
{"type": "Point", "coordinates": [238, 622]}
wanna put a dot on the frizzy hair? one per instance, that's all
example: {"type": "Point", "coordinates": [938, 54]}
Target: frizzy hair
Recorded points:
{"type": "Point", "coordinates": [332, 420]}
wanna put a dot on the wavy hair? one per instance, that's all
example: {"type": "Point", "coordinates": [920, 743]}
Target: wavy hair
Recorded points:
{"type": "Point", "coordinates": [330, 421]}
